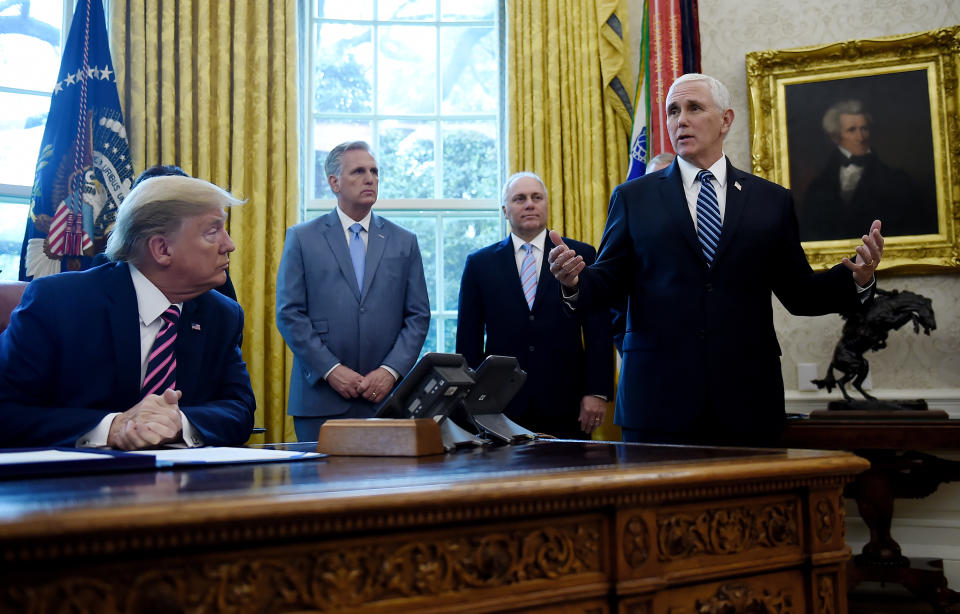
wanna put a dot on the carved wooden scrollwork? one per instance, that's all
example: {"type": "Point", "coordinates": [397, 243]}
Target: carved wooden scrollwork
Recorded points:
{"type": "Point", "coordinates": [826, 595]}
{"type": "Point", "coordinates": [741, 598]}
{"type": "Point", "coordinates": [825, 520]}
{"type": "Point", "coordinates": [331, 576]}
{"type": "Point", "coordinates": [636, 548]}
{"type": "Point", "coordinates": [725, 531]}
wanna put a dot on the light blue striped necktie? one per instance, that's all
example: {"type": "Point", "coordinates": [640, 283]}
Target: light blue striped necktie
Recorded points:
{"type": "Point", "coordinates": [358, 253]}
{"type": "Point", "coordinates": [708, 216]}
{"type": "Point", "coordinates": [528, 275]}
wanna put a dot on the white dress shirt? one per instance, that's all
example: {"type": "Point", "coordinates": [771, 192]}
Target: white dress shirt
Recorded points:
{"type": "Point", "coordinates": [519, 253]}
{"type": "Point", "coordinates": [691, 185]}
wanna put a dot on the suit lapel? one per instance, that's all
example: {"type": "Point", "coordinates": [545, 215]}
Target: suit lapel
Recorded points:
{"type": "Point", "coordinates": [507, 261]}
{"type": "Point", "coordinates": [377, 237]}
{"type": "Point", "coordinates": [337, 240]}
{"type": "Point", "coordinates": [190, 340]}
{"type": "Point", "coordinates": [545, 275]}
{"type": "Point", "coordinates": [675, 200]}
{"type": "Point", "coordinates": [734, 208]}
{"type": "Point", "coordinates": [124, 323]}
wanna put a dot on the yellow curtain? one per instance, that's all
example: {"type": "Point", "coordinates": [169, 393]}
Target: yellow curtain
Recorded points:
{"type": "Point", "coordinates": [212, 86]}
{"type": "Point", "coordinates": [570, 114]}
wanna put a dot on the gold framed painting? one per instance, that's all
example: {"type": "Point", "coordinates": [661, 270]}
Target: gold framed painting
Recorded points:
{"type": "Point", "coordinates": [862, 130]}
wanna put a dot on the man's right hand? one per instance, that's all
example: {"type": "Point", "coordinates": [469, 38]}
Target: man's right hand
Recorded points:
{"type": "Point", "coordinates": [345, 381]}
{"type": "Point", "coordinates": [565, 264]}
{"type": "Point", "coordinates": [154, 421]}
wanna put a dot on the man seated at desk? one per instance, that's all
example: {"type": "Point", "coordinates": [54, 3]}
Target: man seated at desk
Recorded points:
{"type": "Point", "coordinates": [139, 353]}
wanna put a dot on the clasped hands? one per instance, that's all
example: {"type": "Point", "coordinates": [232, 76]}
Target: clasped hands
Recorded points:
{"type": "Point", "coordinates": [152, 422]}
{"type": "Point", "coordinates": [349, 384]}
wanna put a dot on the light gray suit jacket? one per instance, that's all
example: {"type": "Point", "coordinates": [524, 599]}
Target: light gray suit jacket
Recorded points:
{"type": "Point", "coordinates": [326, 319]}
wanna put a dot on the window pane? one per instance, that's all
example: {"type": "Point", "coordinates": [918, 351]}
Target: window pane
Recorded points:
{"type": "Point", "coordinates": [464, 10]}
{"type": "Point", "coordinates": [469, 70]}
{"type": "Point", "coordinates": [327, 134]}
{"type": "Point", "coordinates": [13, 221]}
{"type": "Point", "coordinates": [462, 235]}
{"type": "Point", "coordinates": [430, 344]}
{"type": "Point", "coordinates": [470, 159]}
{"type": "Point", "coordinates": [449, 335]}
{"type": "Point", "coordinates": [407, 160]}
{"type": "Point", "coordinates": [406, 75]}
{"type": "Point", "coordinates": [343, 69]}
{"type": "Point", "coordinates": [407, 10]}
{"type": "Point", "coordinates": [351, 9]}
{"type": "Point", "coordinates": [21, 130]}
{"type": "Point", "coordinates": [32, 30]}
{"type": "Point", "coordinates": [425, 227]}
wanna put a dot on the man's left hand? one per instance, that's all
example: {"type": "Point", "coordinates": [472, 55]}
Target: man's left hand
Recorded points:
{"type": "Point", "coordinates": [592, 410]}
{"type": "Point", "coordinates": [376, 385]}
{"type": "Point", "coordinates": [868, 256]}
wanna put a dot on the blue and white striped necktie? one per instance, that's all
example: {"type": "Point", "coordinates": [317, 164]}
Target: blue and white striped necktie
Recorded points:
{"type": "Point", "coordinates": [708, 216]}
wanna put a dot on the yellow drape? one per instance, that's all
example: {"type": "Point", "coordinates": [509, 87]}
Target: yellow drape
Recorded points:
{"type": "Point", "coordinates": [212, 86]}
{"type": "Point", "coordinates": [570, 117]}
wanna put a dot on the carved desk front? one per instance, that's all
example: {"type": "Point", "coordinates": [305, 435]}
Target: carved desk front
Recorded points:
{"type": "Point", "coordinates": [554, 526]}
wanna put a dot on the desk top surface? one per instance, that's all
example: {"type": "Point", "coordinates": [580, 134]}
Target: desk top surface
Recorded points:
{"type": "Point", "coordinates": [337, 485]}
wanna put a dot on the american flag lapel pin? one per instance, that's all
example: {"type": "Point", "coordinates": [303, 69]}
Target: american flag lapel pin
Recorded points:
{"type": "Point", "coordinates": [195, 326]}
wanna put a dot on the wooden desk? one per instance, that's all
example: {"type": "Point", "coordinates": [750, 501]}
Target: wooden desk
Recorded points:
{"type": "Point", "coordinates": [899, 468]}
{"type": "Point", "coordinates": [555, 526]}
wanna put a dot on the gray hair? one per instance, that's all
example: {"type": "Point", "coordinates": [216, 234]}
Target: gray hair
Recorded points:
{"type": "Point", "coordinates": [514, 178]}
{"type": "Point", "coordinates": [718, 91]}
{"type": "Point", "coordinates": [334, 162]}
{"type": "Point", "coordinates": [662, 160]}
{"type": "Point", "coordinates": [159, 206]}
{"type": "Point", "coordinates": [831, 119]}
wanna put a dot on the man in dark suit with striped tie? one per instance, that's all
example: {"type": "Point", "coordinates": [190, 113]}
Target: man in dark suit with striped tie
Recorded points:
{"type": "Point", "coordinates": [698, 249]}
{"type": "Point", "coordinates": [507, 296]}
{"type": "Point", "coordinates": [139, 353]}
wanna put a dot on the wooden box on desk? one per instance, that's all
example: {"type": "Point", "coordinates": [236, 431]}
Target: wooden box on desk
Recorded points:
{"type": "Point", "coordinates": [380, 437]}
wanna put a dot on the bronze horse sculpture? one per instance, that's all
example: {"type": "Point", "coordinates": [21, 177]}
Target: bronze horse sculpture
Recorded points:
{"type": "Point", "coordinates": [868, 330]}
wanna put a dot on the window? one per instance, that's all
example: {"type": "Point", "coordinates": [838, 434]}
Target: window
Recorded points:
{"type": "Point", "coordinates": [421, 81]}
{"type": "Point", "coordinates": [30, 47]}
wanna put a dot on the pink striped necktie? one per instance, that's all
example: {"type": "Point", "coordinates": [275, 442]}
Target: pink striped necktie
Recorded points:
{"type": "Point", "coordinates": [528, 275]}
{"type": "Point", "coordinates": [162, 362]}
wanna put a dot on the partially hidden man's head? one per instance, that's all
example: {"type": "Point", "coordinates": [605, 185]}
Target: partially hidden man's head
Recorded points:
{"type": "Point", "coordinates": [353, 175]}
{"type": "Point", "coordinates": [660, 161]}
{"type": "Point", "coordinates": [847, 123]}
{"type": "Point", "coordinates": [525, 204]}
{"type": "Point", "coordinates": [175, 226]}
{"type": "Point", "coordinates": [699, 117]}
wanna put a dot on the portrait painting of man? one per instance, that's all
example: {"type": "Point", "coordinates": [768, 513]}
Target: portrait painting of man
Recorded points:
{"type": "Point", "coordinates": [861, 149]}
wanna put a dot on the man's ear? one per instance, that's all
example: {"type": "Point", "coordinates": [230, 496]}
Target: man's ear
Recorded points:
{"type": "Point", "coordinates": [160, 249]}
{"type": "Point", "coordinates": [334, 183]}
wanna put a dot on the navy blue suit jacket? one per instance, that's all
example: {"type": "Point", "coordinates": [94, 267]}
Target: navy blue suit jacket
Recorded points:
{"type": "Point", "coordinates": [72, 355]}
{"type": "Point", "coordinates": [700, 346]}
{"type": "Point", "coordinates": [565, 356]}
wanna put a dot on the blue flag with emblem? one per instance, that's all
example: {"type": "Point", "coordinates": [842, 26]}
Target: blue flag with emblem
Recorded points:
{"type": "Point", "coordinates": [84, 168]}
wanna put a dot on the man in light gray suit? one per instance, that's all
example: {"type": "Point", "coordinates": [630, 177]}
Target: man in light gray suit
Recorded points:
{"type": "Point", "coordinates": [351, 300]}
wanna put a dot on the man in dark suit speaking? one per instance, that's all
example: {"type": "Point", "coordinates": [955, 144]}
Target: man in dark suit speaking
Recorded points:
{"type": "Point", "coordinates": [697, 249]}
{"type": "Point", "coordinates": [138, 353]}
{"type": "Point", "coordinates": [506, 293]}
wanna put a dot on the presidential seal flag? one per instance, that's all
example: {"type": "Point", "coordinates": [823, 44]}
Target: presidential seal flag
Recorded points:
{"type": "Point", "coordinates": [84, 168]}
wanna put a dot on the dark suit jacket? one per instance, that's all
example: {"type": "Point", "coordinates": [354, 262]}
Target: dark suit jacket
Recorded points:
{"type": "Point", "coordinates": [72, 355]}
{"type": "Point", "coordinates": [562, 366]}
{"type": "Point", "coordinates": [700, 346]}
{"type": "Point", "coordinates": [883, 193]}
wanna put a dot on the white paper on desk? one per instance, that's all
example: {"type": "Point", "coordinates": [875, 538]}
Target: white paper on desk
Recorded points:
{"type": "Point", "coordinates": [46, 456]}
{"type": "Point", "coordinates": [214, 454]}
